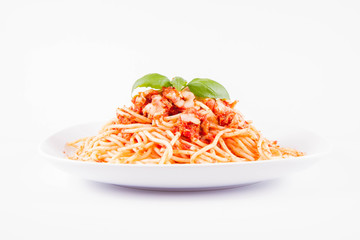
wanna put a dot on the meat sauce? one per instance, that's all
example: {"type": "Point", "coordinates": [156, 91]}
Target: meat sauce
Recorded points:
{"type": "Point", "coordinates": [193, 121]}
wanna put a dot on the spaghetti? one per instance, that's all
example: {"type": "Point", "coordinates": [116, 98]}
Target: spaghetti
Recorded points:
{"type": "Point", "coordinates": [173, 127]}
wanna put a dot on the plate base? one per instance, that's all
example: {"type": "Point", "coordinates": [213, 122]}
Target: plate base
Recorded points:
{"type": "Point", "coordinates": [193, 189]}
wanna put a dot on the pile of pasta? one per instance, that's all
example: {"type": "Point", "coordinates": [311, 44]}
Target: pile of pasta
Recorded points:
{"type": "Point", "coordinates": [149, 140]}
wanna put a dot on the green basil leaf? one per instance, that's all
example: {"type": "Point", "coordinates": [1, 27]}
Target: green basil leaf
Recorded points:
{"type": "Point", "coordinates": [153, 80]}
{"type": "Point", "coordinates": [179, 83]}
{"type": "Point", "coordinates": [207, 88]}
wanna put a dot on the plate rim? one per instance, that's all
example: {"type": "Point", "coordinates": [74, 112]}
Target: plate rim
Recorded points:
{"type": "Point", "coordinates": [327, 150]}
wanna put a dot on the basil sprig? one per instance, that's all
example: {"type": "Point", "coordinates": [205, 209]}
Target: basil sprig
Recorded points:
{"type": "Point", "coordinates": [200, 87]}
{"type": "Point", "coordinates": [153, 80]}
{"type": "Point", "coordinates": [207, 88]}
{"type": "Point", "coordinates": [179, 83]}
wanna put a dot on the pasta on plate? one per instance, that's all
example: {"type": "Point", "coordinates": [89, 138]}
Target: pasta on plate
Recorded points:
{"type": "Point", "coordinates": [173, 126]}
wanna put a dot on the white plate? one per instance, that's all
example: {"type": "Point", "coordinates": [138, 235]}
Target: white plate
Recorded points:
{"type": "Point", "coordinates": [190, 176]}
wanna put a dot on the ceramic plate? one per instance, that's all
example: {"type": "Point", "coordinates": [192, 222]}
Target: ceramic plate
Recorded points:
{"type": "Point", "coordinates": [190, 176]}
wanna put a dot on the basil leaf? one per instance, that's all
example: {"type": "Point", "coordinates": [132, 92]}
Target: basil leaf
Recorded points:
{"type": "Point", "coordinates": [207, 88]}
{"type": "Point", "coordinates": [179, 83]}
{"type": "Point", "coordinates": [153, 80]}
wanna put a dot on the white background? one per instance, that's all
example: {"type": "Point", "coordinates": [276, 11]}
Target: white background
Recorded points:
{"type": "Point", "coordinates": [68, 62]}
